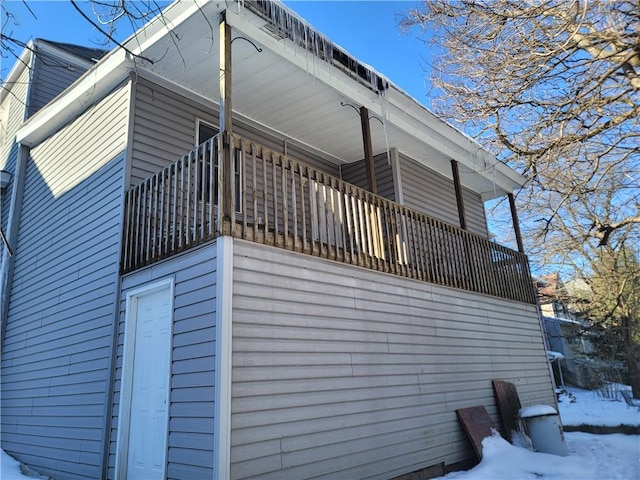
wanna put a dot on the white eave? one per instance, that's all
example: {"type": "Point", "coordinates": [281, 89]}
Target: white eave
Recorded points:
{"type": "Point", "coordinates": [87, 90]}
{"type": "Point", "coordinates": [24, 61]}
{"type": "Point", "coordinates": [99, 80]}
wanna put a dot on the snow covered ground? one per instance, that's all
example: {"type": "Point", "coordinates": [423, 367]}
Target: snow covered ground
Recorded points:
{"type": "Point", "coordinates": [590, 408]}
{"type": "Point", "coordinates": [591, 457]}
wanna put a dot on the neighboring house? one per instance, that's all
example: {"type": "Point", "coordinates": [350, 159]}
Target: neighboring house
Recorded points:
{"type": "Point", "coordinates": [187, 304]}
{"type": "Point", "coordinates": [567, 331]}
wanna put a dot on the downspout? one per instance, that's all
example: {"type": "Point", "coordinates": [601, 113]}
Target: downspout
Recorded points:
{"type": "Point", "coordinates": [13, 225]}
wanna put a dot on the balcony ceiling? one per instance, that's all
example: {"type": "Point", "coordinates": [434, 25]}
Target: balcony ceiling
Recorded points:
{"type": "Point", "coordinates": [284, 88]}
{"type": "Point", "coordinates": [271, 90]}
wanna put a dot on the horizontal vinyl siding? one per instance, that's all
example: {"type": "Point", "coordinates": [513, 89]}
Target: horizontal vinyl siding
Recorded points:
{"type": "Point", "coordinates": [429, 192]}
{"type": "Point", "coordinates": [56, 353]}
{"type": "Point", "coordinates": [12, 112]}
{"type": "Point", "coordinates": [190, 443]}
{"type": "Point", "coordinates": [340, 372]}
{"type": "Point", "coordinates": [355, 173]}
{"type": "Point", "coordinates": [474, 213]}
{"type": "Point", "coordinates": [164, 130]}
{"type": "Point", "coordinates": [53, 75]}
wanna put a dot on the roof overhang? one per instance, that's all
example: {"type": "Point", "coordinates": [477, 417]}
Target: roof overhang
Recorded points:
{"type": "Point", "coordinates": [289, 88]}
{"type": "Point", "coordinates": [86, 91]}
{"type": "Point", "coordinates": [23, 61]}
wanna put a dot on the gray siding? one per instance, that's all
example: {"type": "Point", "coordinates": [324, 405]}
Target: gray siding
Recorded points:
{"type": "Point", "coordinates": [53, 74]}
{"type": "Point", "coordinates": [56, 353]}
{"type": "Point", "coordinates": [50, 75]}
{"type": "Point", "coordinates": [164, 130]}
{"type": "Point", "coordinates": [345, 373]}
{"type": "Point", "coordinates": [190, 455]}
{"type": "Point", "coordinates": [427, 191]}
{"type": "Point", "coordinates": [12, 113]}
{"type": "Point", "coordinates": [355, 173]}
{"type": "Point", "coordinates": [475, 214]}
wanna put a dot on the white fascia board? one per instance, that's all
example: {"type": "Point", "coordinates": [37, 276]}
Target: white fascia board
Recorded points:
{"type": "Point", "coordinates": [162, 25]}
{"type": "Point", "coordinates": [457, 152]}
{"type": "Point", "coordinates": [21, 63]}
{"type": "Point", "coordinates": [451, 141]}
{"type": "Point", "coordinates": [88, 89]}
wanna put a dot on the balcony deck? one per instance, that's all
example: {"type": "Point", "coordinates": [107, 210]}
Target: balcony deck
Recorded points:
{"type": "Point", "coordinates": [290, 205]}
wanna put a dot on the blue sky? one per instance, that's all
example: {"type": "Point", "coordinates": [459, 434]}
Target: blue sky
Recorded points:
{"type": "Point", "coordinates": [367, 29]}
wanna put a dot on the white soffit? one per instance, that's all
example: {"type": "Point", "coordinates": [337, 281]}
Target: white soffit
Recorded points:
{"type": "Point", "coordinates": [409, 126]}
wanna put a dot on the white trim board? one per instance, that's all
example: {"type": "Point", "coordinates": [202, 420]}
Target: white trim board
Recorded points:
{"type": "Point", "coordinates": [124, 413]}
{"type": "Point", "coordinates": [224, 317]}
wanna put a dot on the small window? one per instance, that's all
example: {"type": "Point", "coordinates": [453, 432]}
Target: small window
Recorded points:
{"type": "Point", "coordinates": [204, 131]}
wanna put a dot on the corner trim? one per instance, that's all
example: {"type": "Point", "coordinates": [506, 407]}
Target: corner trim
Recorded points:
{"type": "Point", "coordinates": [224, 322]}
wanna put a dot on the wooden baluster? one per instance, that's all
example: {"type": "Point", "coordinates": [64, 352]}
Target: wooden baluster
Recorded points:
{"type": "Point", "coordinates": [275, 198]}
{"type": "Point", "coordinates": [265, 195]}
{"type": "Point", "coordinates": [212, 161]}
{"type": "Point", "coordinates": [303, 181]}
{"type": "Point", "coordinates": [243, 189]}
{"type": "Point", "coordinates": [291, 166]}
{"type": "Point", "coordinates": [285, 200]}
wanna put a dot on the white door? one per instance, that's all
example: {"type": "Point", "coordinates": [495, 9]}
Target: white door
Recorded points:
{"type": "Point", "coordinates": [149, 384]}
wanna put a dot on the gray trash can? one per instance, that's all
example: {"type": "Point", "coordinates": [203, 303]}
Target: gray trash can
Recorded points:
{"type": "Point", "coordinates": [542, 425]}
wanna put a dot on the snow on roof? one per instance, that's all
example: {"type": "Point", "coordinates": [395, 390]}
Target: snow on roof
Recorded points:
{"type": "Point", "coordinates": [561, 320]}
{"type": "Point", "coordinates": [552, 356]}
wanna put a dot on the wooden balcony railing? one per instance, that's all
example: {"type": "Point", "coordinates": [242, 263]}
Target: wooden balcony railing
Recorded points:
{"type": "Point", "coordinates": [288, 204]}
{"type": "Point", "coordinates": [172, 210]}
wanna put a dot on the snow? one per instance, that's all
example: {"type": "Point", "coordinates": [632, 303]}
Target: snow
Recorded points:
{"type": "Point", "coordinates": [591, 457]}
{"type": "Point", "coordinates": [591, 408]}
{"type": "Point", "coordinates": [553, 356]}
{"type": "Point", "coordinates": [9, 468]}
{"type": "Point", "coordinates": [537, 411]}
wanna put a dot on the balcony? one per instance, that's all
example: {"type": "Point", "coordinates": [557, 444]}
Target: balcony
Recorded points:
{"type": "Point", "coordinates": [284, 203]}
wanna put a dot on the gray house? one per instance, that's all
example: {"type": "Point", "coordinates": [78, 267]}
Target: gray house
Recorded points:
{"type": "Point", "coordinates": [241, 253]}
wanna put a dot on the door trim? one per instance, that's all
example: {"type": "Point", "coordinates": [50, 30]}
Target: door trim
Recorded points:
{"type": "Point", "coordinates": [126, 380]}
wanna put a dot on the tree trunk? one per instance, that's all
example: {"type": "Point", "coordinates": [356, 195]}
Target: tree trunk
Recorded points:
{"type": "Point", "coordinates": [633, 360]}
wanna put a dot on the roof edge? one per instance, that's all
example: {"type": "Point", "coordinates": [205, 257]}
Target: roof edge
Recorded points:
{"type": "Point", "coordinates": [87, 90]}
{"type": "Point", "coordinates": [22, 62]}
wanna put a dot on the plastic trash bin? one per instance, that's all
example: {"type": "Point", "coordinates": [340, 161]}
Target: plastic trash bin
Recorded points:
{"type": "Point", "coordinates": [542, 425]}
